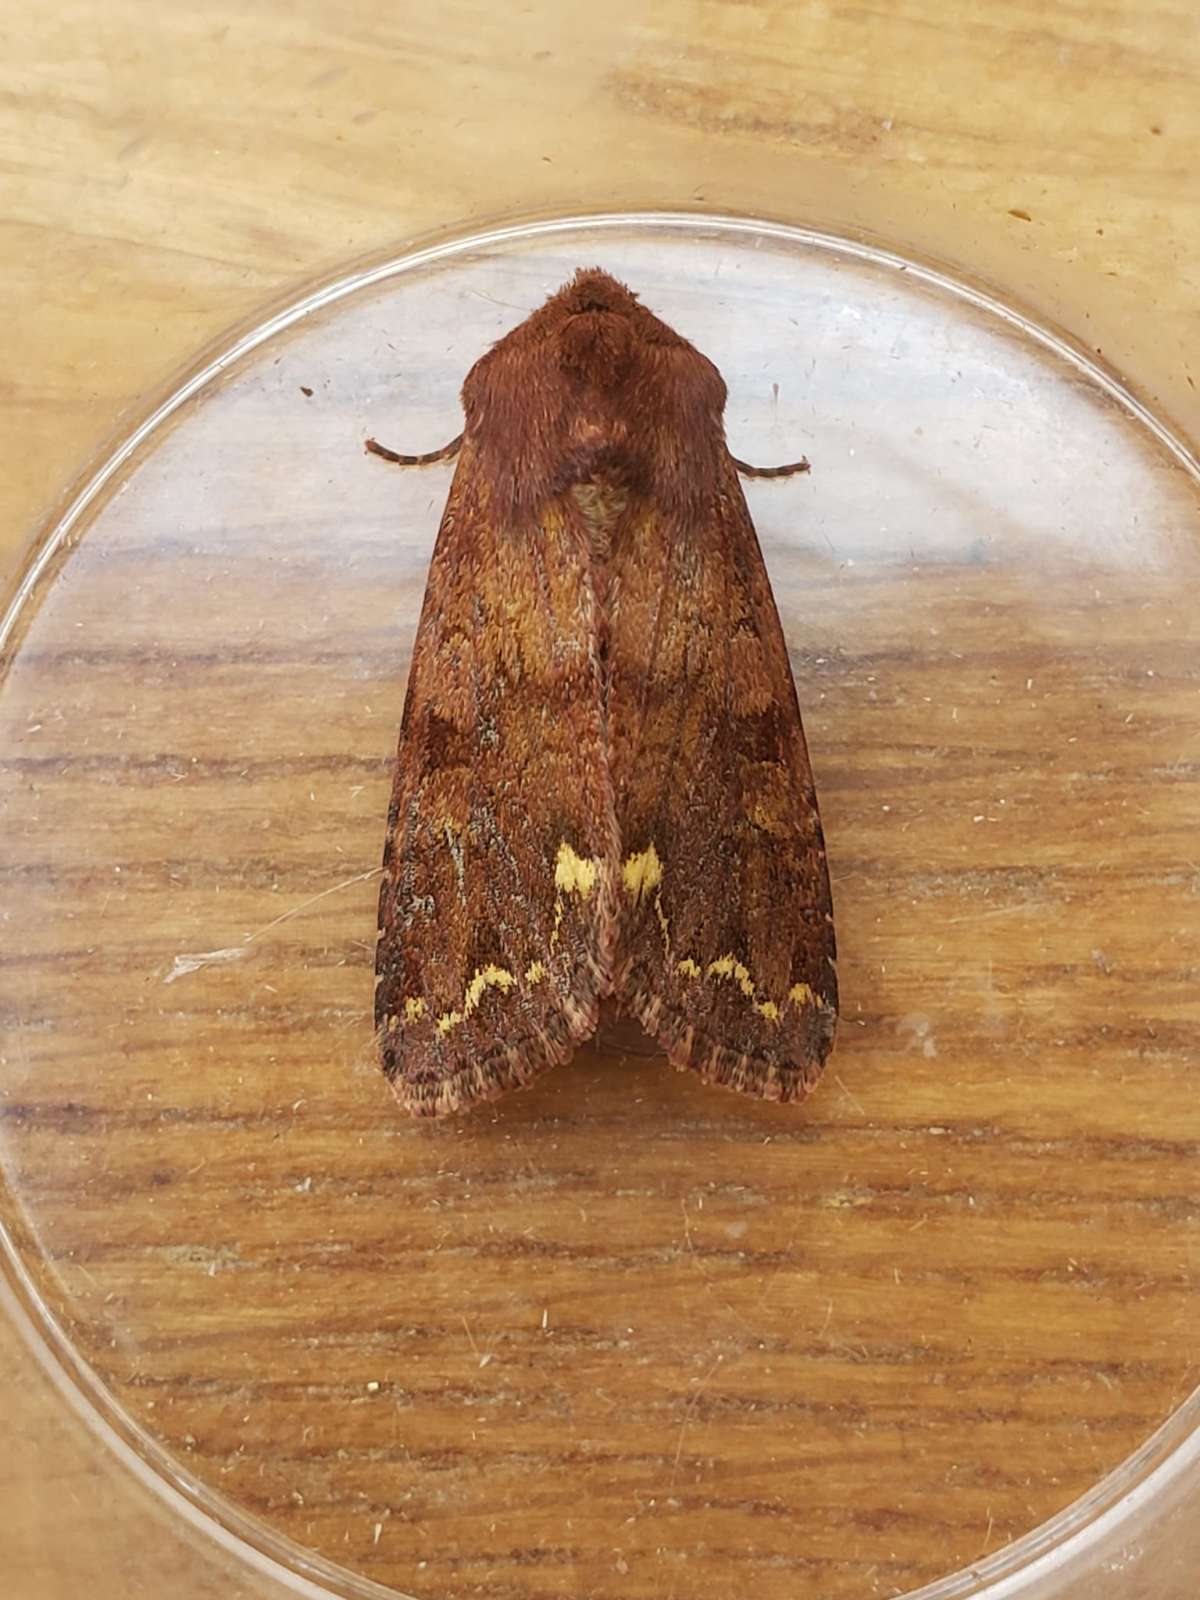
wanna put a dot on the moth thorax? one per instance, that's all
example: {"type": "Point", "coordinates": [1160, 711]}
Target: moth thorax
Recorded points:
{"type": "Point", "coordinates": [601, 502]}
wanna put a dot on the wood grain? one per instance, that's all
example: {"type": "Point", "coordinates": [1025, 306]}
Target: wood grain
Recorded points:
{"type": "Point", "coordinates": [622, 1336]}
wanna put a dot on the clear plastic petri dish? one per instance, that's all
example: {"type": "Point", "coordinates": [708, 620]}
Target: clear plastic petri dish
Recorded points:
{"type": "Point", "coordinates": [622, 1334]}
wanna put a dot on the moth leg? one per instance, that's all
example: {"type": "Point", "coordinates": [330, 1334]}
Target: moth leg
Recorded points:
{"type": "Point", "coordinates": [785, 471]}
{"type": "Point", "coordinates": [446, 453]}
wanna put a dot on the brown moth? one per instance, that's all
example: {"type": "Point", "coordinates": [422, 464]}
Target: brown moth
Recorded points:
{"type": "Point", "coordinates": [602, 786]}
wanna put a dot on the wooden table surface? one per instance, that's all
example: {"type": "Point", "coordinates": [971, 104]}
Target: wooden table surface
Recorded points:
{"type": "Point", "coordinates": [168, 172]}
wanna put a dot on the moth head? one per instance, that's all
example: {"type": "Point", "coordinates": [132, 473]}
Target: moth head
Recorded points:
{"type": "Point", "coordinates": [596, 347]}
{"type": "Point", "coordinates": [592, 330]}
{"type": "Point", "coordinates": [591, 292]}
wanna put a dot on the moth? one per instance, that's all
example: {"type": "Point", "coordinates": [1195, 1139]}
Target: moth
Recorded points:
{"type": "Point", "coordinates": [602, 788]}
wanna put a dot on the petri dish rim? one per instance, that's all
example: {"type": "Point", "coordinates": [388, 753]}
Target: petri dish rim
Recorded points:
{"type": "Point", "coordinates": [1161, 1462]}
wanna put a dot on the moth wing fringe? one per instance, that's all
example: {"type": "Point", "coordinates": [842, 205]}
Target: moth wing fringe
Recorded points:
{"type": "Point", "coordinates": [690, 1050]}
{"type": "Point", "coordinates": [502, 1067]}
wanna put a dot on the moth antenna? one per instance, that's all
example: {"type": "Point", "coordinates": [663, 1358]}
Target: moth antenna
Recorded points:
{"type": "Point", "coordinates": [446, 453]}
{"type": "Point", "coordinates": [785, 471]}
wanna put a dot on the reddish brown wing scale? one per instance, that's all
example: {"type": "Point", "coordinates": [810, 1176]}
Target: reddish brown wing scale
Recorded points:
{"type": "Point", "coordinates": [495, 908]}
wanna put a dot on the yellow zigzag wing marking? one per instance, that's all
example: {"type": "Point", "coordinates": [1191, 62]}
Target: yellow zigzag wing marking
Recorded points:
{"type": "Point", "coordinates": [643, 873]}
